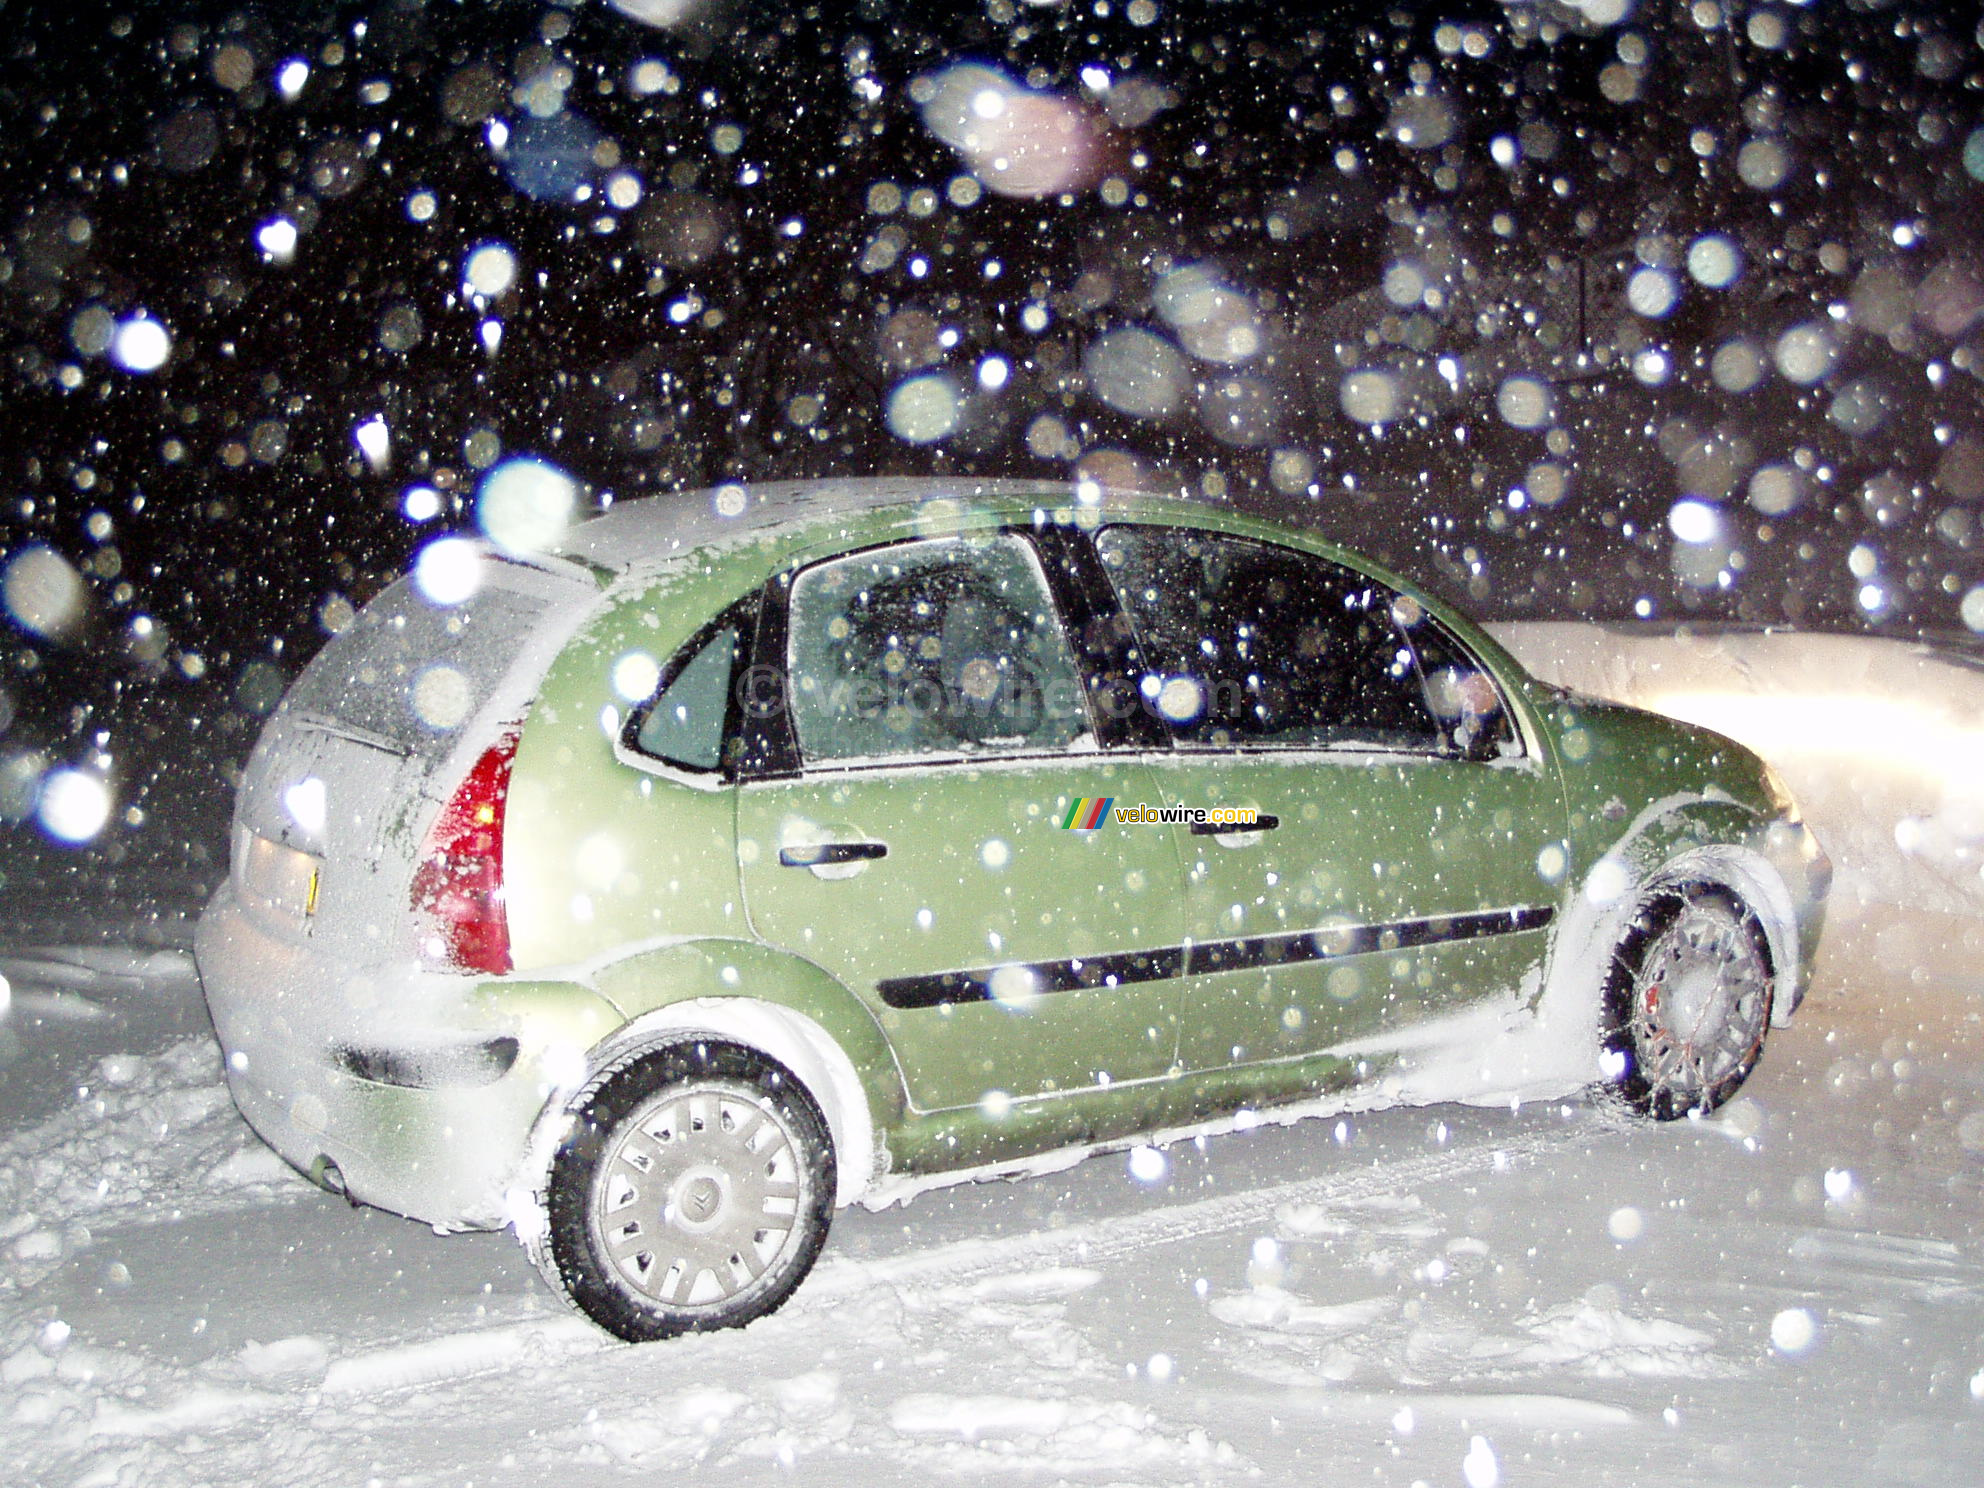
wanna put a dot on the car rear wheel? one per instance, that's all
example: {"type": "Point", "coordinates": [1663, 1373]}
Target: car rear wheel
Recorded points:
{"type": "Point", "coordinates": [693, 1191]}
{"type": "Point", "coordinates": [1688, 1001]}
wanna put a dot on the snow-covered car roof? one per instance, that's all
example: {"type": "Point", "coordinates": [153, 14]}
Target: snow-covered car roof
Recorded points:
{"type": "Point", "coordinates": [636, 534]}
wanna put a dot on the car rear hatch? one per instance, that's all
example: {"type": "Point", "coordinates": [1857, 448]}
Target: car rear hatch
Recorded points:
{"type": "Point", "coordinates": [377, 731]}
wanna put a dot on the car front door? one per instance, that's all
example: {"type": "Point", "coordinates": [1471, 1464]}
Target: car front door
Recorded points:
{"type": "Point", "coordinates": [931, 738]}
{"type": "Point", "coordinates": [1393, 868]}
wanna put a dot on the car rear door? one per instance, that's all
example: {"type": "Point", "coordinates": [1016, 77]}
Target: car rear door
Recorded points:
{"type": "Point", "coordinates": [925, 712]}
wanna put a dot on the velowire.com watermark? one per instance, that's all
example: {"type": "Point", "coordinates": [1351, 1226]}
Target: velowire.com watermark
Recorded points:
{"type": "Point", "coordinates": [1087, 813]}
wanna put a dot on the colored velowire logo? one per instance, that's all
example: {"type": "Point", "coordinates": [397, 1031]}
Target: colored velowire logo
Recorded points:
{"type": "Point", "coordinates": [1087, 813]}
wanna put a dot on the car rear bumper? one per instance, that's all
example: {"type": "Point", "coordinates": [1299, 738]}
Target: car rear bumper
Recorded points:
{"type": "Point", "coordinates": [420, 1091]}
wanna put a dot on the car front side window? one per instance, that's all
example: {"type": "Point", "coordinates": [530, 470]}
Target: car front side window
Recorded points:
{"type": "Point", "coordinates": [1459, 689]}
{"type": "Point", "coordinates": [949, 646]}
{"type": "Point", "coordinates": [1247, 644]}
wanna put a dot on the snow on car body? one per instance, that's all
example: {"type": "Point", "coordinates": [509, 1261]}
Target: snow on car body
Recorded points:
{"type": "Point", "coordinates": [715, 869]}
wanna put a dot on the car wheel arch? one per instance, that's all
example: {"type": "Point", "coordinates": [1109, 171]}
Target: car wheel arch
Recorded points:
{"type": "Point", "coordinates": [816, 1028]}
{"type": "Point", "coordinates": [1594, 926]}
{"type": "Point", "coordinates": [792, 1038]}
{"type": "Point", "coordinates": [1749, 876]}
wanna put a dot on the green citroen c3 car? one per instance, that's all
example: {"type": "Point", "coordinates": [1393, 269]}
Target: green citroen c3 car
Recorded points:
{"type": "Point", "coordinates": [764, 850]}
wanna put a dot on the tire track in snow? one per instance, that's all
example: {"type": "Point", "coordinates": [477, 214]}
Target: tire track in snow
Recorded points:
{"type": "Point", "coordinates": [961, 1262]}
{"type": "Point", "coordinates": [448, 1359]}
{"type": "Point", "coordinates": [499, 1350]}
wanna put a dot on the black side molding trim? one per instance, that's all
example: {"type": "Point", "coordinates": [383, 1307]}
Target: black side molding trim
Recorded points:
{"type": "Point", "coordinates": [1076, 974]}
{"type": "Point", "coordinates": [1125, 968]}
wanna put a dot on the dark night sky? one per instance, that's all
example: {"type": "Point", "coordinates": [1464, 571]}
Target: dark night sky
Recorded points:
{"type": "Point", "coordinates": [772, 240]}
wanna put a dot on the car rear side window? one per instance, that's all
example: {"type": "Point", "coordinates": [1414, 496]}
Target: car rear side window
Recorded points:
{"type": "Point", "coordinates": [684, 725]}
{"type": "Point", "coordinates": [940, 647]}
{"type": "Point", "coordinates": [1246, 644]}
{"type": "Point", "coordinates": [410, 672]}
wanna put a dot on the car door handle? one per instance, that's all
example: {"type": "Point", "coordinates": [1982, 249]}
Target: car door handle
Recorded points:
{"type": "Point", "coordinates": [1262, 823]}
{"type": "Point", "coordinates": [820, 854]}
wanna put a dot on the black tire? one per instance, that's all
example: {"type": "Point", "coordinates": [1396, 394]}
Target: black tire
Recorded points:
{"type": "Point", "coordinates": [693, 1191]}
{"type": "Point", "coordinates": [1687, 1001]}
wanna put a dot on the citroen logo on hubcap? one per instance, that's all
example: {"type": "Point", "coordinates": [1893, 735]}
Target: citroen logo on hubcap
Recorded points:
{"type": "Point", "coordinates": [700, 1198]}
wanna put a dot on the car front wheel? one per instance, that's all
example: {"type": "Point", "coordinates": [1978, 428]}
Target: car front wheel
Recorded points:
{"type": "Point", "coordinates": [692, 1192]}
{"type": "Point", "coordinates": [1688, 1001]}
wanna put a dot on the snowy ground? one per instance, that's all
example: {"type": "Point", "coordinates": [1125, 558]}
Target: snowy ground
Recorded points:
{"type": "Point", "coordinates": [1792, 1292]}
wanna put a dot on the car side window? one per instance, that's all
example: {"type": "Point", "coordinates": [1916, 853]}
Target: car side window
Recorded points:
{"type": "Point", "coordinates": [1247, 644]}
{"type": "Point", "coordinates": [683, 724]}
{"type": "Point", "coordinates": [941, 647]}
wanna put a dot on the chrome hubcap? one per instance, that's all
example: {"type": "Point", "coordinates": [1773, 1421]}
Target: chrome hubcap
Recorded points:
{"type": "Point", "coordinates": [698, 1194]}
{"type": "Point", "coordinates": [1699, 1002]}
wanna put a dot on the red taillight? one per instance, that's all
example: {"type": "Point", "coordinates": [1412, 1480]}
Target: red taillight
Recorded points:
{"type": "Point", "coordinates": [458, 885]}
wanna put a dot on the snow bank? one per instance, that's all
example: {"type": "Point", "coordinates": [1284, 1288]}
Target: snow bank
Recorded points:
{"type": "Point", "coordinates": [148, 1139]}
{"type": "Point", "coordinates": [1881, 740]}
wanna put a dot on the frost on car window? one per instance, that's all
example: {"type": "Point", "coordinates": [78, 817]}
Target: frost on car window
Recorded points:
{"type": "Point", "coordinates": [937, 647]}
{"type": "Point", "coordinates": [410, 671]}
